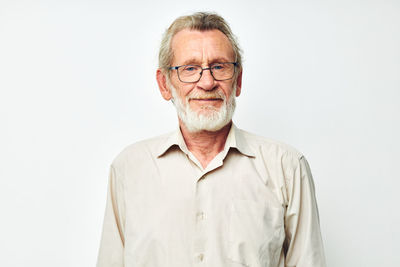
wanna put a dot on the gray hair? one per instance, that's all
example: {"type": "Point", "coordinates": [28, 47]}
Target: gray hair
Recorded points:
{"type": "Point", "coordinates": [200, 21]}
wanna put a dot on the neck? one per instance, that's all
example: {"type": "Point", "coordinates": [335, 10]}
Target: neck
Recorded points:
{"type": "Point", "coordinates": [205, 145]}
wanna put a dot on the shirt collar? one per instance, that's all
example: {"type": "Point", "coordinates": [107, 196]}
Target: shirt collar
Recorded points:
{"type": "Point", "coordinates": [240, 142]}
{"type": "Point", "coordinates": [235, 139]}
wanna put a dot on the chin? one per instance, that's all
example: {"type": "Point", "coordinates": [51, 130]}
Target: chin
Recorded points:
{"type": "Point", "coordinates": [210, 120]}
{"type": "Point", "coordinates": [206, 118]}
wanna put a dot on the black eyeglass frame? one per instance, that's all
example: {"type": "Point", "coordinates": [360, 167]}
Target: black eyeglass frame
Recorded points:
{"type": "Point", "coordinates": [235, 64]}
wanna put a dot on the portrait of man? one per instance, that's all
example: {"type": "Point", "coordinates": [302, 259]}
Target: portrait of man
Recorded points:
{"type": "Point", "coordinates": [208, 193]}
{"type": "Point", "coordinates": [199, 133]}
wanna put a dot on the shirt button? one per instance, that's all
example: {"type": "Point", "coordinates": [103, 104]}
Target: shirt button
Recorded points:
{"type": "Point", "coordinates": [200, 257]}
{"type": "Point", "coordinates": [200, 216]}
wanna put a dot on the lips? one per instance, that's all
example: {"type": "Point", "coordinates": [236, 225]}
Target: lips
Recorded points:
{"type": "Point", "coordinates": [207, 99]}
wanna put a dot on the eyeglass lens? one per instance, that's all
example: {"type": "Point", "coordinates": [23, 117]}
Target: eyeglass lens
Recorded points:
{"type": "Point", "coordinates": [220, 71]}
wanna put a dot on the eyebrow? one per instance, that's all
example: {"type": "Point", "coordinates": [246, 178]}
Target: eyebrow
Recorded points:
{"type": "Point", "coordinates": [193, 61]}
{"type": "Point", "coordinates": [190, 61]}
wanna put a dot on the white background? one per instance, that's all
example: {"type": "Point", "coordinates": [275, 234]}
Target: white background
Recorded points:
{"type": "Point", "coordinates": [77, 82]}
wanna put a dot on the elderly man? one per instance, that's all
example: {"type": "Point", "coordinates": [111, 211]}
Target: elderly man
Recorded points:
{"type": "Point", "coordinates": [208, 194]}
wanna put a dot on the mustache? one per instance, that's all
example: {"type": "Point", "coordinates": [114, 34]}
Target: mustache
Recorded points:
{"type": "Point", "coordinates": [206, 95]}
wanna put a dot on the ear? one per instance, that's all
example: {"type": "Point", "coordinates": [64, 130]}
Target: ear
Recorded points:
{"type": "Point", "coordinates": [162, 85]}
{"type": "Point", "coordinates": [239, 83]}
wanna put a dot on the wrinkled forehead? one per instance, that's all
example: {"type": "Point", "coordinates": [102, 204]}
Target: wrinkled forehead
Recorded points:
{"type": "Point", "coordinates": [201, 47]}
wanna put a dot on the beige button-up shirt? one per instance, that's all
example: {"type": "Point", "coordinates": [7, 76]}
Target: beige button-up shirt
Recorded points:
{"type": "Point", "coordinates": [253, 205]}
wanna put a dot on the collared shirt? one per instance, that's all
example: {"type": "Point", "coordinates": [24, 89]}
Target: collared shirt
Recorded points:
{"type": "Point", "coordinates": [253, 205]}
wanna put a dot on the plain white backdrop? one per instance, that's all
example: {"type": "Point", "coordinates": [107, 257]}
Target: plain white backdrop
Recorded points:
{"type": "Point", "coordinates": [77, 85]}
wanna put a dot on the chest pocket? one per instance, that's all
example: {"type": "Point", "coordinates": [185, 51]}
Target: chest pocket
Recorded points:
{"type": "Point", "coordinates": [256, 233]}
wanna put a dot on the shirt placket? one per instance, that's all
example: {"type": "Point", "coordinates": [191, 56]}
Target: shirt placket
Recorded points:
{"type": "Point", "coordinates": [200, 241]}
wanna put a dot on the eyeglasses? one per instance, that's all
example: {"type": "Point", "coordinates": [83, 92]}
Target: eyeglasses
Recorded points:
{"type": "Point", "coordinates": [192, 73]}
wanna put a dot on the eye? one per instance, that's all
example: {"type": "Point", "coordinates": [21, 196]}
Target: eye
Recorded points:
{"type": "Point", "coordinates": [190, 68]}
{"type": "Point", "coordinates": [218, 67]}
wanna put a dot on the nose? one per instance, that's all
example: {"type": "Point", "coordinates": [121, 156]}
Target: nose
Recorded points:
{"type": "Point", "coordinates": [206, 81]}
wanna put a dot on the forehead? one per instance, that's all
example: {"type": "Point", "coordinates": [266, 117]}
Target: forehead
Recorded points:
{"type": "Point", "coordinates": [201, 47]}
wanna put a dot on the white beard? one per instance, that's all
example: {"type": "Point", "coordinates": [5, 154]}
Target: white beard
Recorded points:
{"type": "Point", "coordinates": [213, 119]}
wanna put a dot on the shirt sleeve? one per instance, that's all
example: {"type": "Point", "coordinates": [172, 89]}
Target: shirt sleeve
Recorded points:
{"type": "Point", "coordinates": [112, 241]}
{"type": "Point", "coordinates": [303, 244]}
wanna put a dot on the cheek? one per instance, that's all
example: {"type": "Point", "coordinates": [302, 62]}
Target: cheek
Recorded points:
{"type": "Point", "coordinates": [180, 88]}
{"type": "Point", "coordinates": [228, 91]}
{"type": "Point", "coordinates": [185, 90]}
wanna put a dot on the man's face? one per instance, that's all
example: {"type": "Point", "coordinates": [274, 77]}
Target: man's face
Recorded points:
{"type": "Point", "coordinates": [208, 101]}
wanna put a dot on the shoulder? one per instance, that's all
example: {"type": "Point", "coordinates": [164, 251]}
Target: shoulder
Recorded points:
{"type": "Point", "coordinates": [268, 146]}
{"type": "Point", "coordinates": [140, 151]}
{"type": "Point", "coordinates": [283, 162]}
